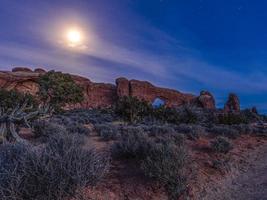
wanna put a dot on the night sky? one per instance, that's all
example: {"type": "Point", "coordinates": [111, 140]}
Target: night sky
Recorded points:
{"type": "Point", "coordinates": [188, 45]}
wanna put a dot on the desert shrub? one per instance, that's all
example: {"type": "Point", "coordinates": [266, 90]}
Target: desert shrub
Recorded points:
{"type": "Point", "coordinates": [160, 156]}
{"type": "Point", "coordinates": [78, 128]}
{"type": "Point", "coordinates": [191, 131]}
{"type": "Point", "coordinates": [170, 138]}
{"type": "Point", "coordinates": [58, 89]}
{"type": "Point", "coordinates": [71, 125]}
{"type": "Point", "coordinates": [166, 114]}
{"type": "Point", "coordinates": [187, 115]}
{"type": "Point", "coordinates": [52, 172]}
{"type": "Point", "coordinates": [232, 118]}
{"type": "Point", "coordinates": [205, 117]}
{"type": "Point", "coordinates": [183, 114]}
{"type": "Point", "coordinates": [132, 144]}
{"type": "Point", "coordinates": [251, 115]}
{"type": "Point", "coordinates": [44, 129]}
{"type": "Point", "coordinates": [107, 131]}
{"type": "Point", "coordinates": [11, 99]}
{"type": "Point", "coordinates": [259, 130]}
{"type": "Point", "coordinates": [243, 128]}
{"type": "Point", "coordinates": [164, 134]}
{"type": "Point", "coordinates": [132, 109]}
{"type": "Point", "coordinates": [157, 130]}
{"type": "Point", "coordinates": [164, 163]}
{"type": "Point", "coordinates": [221, 145]}
{"type": "Point", "coordinates": [62, 120]}
{"type": "Point", "coordinates": [222, 165]}
{"type": "Point", "coordinates": [224, 130]}
{"type": "Point", "coordinates": [94, 116]}
{"type": "Point", "coordinates": [128, 130]}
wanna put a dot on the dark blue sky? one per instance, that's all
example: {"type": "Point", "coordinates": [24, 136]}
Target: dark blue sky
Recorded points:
{"type": "Point", "coordinates": [189, 45]}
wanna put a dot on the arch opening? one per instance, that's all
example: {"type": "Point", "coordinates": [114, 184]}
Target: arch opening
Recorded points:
{"type": "Point", "coordinates": [158, 102]}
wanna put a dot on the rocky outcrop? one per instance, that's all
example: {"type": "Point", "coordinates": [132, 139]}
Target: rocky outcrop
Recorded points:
{"type": "Point", "coordinates": [148, 92]}
{"type": "Point", "coordinates": [40, 70]}
{"type": "Point", "coordinates": [95, 94]}
{"type": "Point", "coordinates": [123, 87]}
{"type": "Point", "coordinates": [104, 95]}
{"type": "Point", "coordinates": [205, 100]}
{"type": "Point", "coordinates": [21, 69]}
{"type": "Point", "coordinates": [232, 104]}
{"type": "Point", "coordinates": [25, 82]}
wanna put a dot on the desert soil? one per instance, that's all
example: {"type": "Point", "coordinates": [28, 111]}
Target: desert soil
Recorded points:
{"type": "Point", "coordinates": [252, 185]}
{"type": "Point", "coordinates": [249, 185]}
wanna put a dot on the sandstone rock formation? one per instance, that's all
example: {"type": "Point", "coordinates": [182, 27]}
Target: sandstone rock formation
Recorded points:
{"type": "Point", "coordinates": [22, 81]}
{"type": "Point", "coordinates": [21, 69]}
{"type": "Point", "coordinates": [205, 100]}
{"type": "Point", "coordinates": [123, 87]}
{"type": "Point", "coordinates": [148, 92]}
{"type": "Point", "coordinates": [104, 95]}
{"type": "Point", "coordinates": [232, 104]}
{"type": "Point", "coordinates": [25, 80]}
{"type": "Point", "coordinates": [40, 70]}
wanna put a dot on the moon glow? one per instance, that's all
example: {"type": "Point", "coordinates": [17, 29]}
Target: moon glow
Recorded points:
{"type": "Point", "coordinates": [74, 37]}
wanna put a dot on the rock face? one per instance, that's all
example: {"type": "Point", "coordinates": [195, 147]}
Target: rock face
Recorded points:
{"type": "Point", "coordinates": [123, 87]}
{"type": "Point", "coordinates": [22, 81]}
{"type": "Point", "coordinates": [104, 95]}
{"type": "Point", "coordinates": [148, 92]}
{"type": "Point", "coordinates": [232, 104]}
{"type": "Point", "coordinates": [205, 100]}
{"type": "Point", "coordinates": [95, 94]}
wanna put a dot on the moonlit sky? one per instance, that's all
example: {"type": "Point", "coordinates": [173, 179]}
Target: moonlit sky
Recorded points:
{"type": "Point", "coordinates": [188, 45]}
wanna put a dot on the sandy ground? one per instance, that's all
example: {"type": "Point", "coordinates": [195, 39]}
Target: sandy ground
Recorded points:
{"type": "Point", "coordinates": [247, 179]}
{"type": "Point", "coordinates": [251, 185]}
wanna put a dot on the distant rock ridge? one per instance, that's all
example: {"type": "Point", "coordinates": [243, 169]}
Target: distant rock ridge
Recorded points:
{"type": "Point", "coordinates": [148, 92]}
{"type": "Point", "coordinates": [104, 94]}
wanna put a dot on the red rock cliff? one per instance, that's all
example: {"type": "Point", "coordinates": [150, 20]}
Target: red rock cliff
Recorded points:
{"type": "Point", "coordinates": [146, 91]}
{"type": "Point", "coordinates": [25, 80]}
{"type": "Point", "coordinates": [102, 94]}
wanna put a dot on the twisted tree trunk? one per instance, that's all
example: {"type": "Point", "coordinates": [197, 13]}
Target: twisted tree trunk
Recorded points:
{"type": "Point", "coordinates": [18, 115]}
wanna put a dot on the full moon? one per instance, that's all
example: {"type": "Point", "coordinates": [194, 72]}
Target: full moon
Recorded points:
{"type": "Point", "coordinates": [74, 37]}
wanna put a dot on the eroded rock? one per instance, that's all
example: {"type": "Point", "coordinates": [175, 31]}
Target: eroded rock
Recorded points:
{"type": "Point", "coordinates": [40, 70]}
{"type": "Point", "coordinates": [105, 95]}
{"type": "Point", "coordinates": [232, 104]}
{"type": "Point", "coordinates": [123, 87]}
{"type": "Point", "coordinates": [205, 100]}
{"type": "Point", "coordinates": [21, 69]}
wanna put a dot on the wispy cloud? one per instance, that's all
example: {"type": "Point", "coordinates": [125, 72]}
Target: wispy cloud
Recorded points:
{"type": "Point", "coordinates": [139, 50]}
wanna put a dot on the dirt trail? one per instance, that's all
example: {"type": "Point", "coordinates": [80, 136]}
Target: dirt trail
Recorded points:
{"type": "Point", "coordinates": [250, 185]}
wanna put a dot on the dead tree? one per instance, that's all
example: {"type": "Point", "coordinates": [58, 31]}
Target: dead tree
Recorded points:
{"type": "Point", "coordinates": [19, 115]}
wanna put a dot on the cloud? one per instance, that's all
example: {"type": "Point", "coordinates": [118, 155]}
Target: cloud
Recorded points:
{"type": "Point", "coordinates": [119, 46]}
{"type": "Point", "coordinates": [14, 54]}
